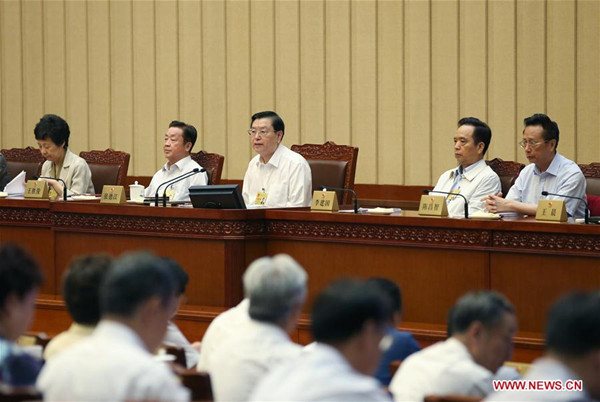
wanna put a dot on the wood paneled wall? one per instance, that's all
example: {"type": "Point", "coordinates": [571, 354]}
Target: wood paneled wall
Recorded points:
{"type": "Point", "coordinates": [391, 77]}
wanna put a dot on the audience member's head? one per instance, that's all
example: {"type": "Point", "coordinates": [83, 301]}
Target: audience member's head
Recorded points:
{"type": "Point", "coordinates": [573, 337]}
{"type": "Point", "coordinates": [81, 287]}
{"type": "Point", "coordinates": [276, 287]}
{"type": "Point", "coordinates": [181, 279]}
{"type": "Point", "coordinates": [485, 322]}
{"type": "Point", "coordinates": [20, 279]}
{"type": "Point", "coordinates": [392, 291]}
{"type": "Point", "coordinates": [351, 316]}
{"type": "Point", "coordinates": [139, 291]}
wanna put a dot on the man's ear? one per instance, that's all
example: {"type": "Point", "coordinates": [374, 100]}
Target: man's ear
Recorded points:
{"type": "Point", "coordinates": [187, 146]}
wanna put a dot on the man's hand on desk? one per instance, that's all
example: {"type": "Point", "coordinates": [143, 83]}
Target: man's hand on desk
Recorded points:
{"type": "Point", "coordinates": [495, 203]}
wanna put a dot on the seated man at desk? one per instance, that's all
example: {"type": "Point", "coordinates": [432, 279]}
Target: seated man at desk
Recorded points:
{"type": "Point", "coordinates": [277, 177]}
{"type": "Point", "coordinates": [549, 171]}
{"type": "Point", "coordinates": [179, 141]}
{"type": "Point", "coordinates": [473, 178]}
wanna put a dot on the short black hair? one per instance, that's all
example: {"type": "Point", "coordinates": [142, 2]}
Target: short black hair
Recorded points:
{"type": "Point", "coordinates": [190, 134]}
{"type": "Point", "coordinates": [341, 310]}
{"type": "Point", "coordinates": [19, 273]}
{"type": "Point", "coordinates": [389, 289]}
{"type": "Point", "coordinates": [482, 132]}
{"type": "Point", "coordinates": [133, 279]}
{"type": "Point", "coordinates": [180, 277]}
{"type": "Point", "coordinates": [53, 127]}
{"type": "Point", "coordinates": [573, 324]}
{"type": "Point", "coordinates": [551, 131]}
{"type": "Point", "coordinates": [487, 307]}
{"type": "Point", "coordinates": [276, 121]}
{"type": "Point", "coordinates": [81, 287]}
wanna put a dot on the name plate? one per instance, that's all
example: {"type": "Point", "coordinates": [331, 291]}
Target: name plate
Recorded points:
{"type": "Point", "coordinates": [324, 201]}
{"type": "Point", "coordinates": [36, 189]}
{"type": "Point", "coordinates": [551, 210]}
{"type": "Point", "coordinates": [433, 205]}
{"type": "Point", "coordinates": [113, 195]}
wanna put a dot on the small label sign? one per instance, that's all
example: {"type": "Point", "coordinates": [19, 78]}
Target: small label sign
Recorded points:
{"type": "Point", "coordinates": [433, 205]}
{"type": "Point", "coordinates": [113, 195]}
{"type": "Point", "coordinates": [324, 201]}
{"type": "Point", "coordinates": [36, 189]}
{"type": "Point", "coordinates": [551, 210]}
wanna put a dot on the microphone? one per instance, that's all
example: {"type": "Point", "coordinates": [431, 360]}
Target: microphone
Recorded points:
{"type": "Point", "coordinates": [173, 181]}
{"type": "Point", "coordinates": [586, 216]}
{"type": "Point", "coordinates": [460, 195]}
{"type": "Point", "coordinates": [324, 188]}
{"type": "Point", "coordinates": [58, 179]}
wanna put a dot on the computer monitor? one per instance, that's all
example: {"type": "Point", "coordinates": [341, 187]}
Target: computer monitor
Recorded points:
{"type": "Point", "coordinates": [221, 196]}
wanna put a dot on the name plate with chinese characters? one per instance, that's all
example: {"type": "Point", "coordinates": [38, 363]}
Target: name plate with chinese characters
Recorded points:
{"type": "Point", "coordinates": [113, 195]}
{"type": "Point", "coordinates": [36, 189]}
{"type": "Point", "coordinates": [551, 210]}
{"type": "Point", "coordinates": [324, 201]}
{"type": "Point", "coordinates": [433, 205]}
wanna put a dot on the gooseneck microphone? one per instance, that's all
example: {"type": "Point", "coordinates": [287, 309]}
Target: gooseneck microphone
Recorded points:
{"type": "Point", "coordinates": [57, 179]}
{"type": "Point", "coordinates": [447, 193]}
{"type": "Point", "coordinates": [325, 188]}
{"type": "Point", "coordinates": [586, 216]}
{"type": "Point", "coordinates": [173, 181]}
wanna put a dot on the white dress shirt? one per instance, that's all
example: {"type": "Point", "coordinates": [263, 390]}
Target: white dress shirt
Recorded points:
{"type": "Point", "coordinates": [110, 365]}
{"type": "Point", "coordinates": [67, 339]}
{"type": "Point", "coordinates": [75, 172]}
{"type": "Point", "coordinates": [240, 362]}
{"type": "Point", "coordinates": [320, 373]}
{"type": "Point", "coordinates": [441, 369]}
{"type": "Point", "coordinates": [478, 180]}
{"type": "Point", "coordinates": [286, 178]}
{"type": "Point", "coordinates": [220, 330]}
{"type": "Point", "coordinates": [181, 188]}
{"type": "Point", "coordinates": [175, 337]}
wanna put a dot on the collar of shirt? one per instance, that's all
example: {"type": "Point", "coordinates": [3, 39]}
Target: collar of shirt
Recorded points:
{"type": "Point", "coordinates": [80, 329]}
{"type": "Point", "coordinates": [180, 164]}
{"type": "Point", "coordinates": [462, 349]}
{"type": "Point", "coordinates": [275, 159]}
{"type": "Point", "coordinates": [69, 158]}
{"type": "Point", "coordinates": [471, 171]}
{"type": "Point", "coordinates": [108, 329]}
{"type": "Point", "coordinates": [554, 167]}
{"type": "Point", "coordinates": [273, 330]}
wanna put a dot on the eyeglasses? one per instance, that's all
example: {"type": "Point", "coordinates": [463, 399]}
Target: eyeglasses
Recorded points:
{"type": "Point", "coordinates": [261, 133]}
{"type": "Point", "coordinates": [532, 144]}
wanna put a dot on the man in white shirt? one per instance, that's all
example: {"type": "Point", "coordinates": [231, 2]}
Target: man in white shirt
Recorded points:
{"type": "Point", "coordinates": [349, 321]}
{"type": "Point", "coordinates": [572, 354]}
{"type": "Point", "coordinates": [115, 363]}
{"type": "Point", "coordinates": [277, 177]}
{"type": "Point", "coordinates": [276, 287]}
{"type": "Point", "coordinates": [473, 178]}
{"type": "Point", "coordinates": [179, 141]}
{"type": "Point", "coordinates": [481, 326]}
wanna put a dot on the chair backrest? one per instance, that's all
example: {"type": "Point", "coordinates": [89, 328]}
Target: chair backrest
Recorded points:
{"type": "Point", "coordinates": [198, 383]}
{"type": "Point", "coordinates": [108, 167]}
{"type": "Point", "coordinates": [592, 177]}
{"type": "Point", "coordinates": [29, 159]}
{"type": "Point", "coordinates": [213, 163]}
{"type": "Point", "coordinates": [331, 165]}
{"type": "Point", "coordinates": [178, 352]}
{"type": "Point", "coordinates": [507, 171]}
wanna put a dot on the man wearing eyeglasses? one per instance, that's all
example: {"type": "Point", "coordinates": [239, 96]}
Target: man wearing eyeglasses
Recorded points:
{"type": "Point", "coordinates": [277, 177]}
{"type": "Point", "coordinates": [549, 171]}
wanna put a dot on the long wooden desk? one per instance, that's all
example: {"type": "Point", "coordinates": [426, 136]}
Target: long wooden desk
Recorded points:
{"type": "Point", "coordinates": [435, 260]}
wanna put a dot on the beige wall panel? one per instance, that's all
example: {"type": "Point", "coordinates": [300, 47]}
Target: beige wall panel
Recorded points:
{"type": "Point", "coordinates": [560, 67]}
{"type": "Point", "coordinates": [312, 70]}
{"type": "Point", "coordinates": [364, 88]}
{"type": "Point", "coordinates": [417, 84]}
{"type": "Point", "coordinates": [287, 67]}
{"type": "Point", "coordinates": [238, 87]}
{"type": "Point", "coordinates": [99, 74]}
{"type": "Point", "coordinates": [77, 94]}
{"type": "Point", "coordinates": [214, 76]}
{"type": "Point", "coordinates": [33, 68]}
{"type": "Point", "coordinates": [531, 61]}
{"type": "Point", "coordinates": [144, 91]}
{"type": "Point", "coordinates": [502, 95]}
{"type": "Point", "coordinates": [338, 123]}
{"type": "Point", "coordinates": [121, 72]}
{"type": "Point", "coordinates": [167, 68]}
{"type": "Point", "coordinates": [262, 57]}
{"type": "Point", "coordinates": [588, 81]}
{"type": "Point", "coordinates": [190, 67]}
{"type": "Point", "coordinates": [54, 58]}
{"type": "Point", "coordinates": [444, 85]}
{"type": "Point", "coordinates": [473, 58]}
{"type": "Point", "coordinates": [390, 92]}
{"type": "Point", "coordinates": [12, 75]}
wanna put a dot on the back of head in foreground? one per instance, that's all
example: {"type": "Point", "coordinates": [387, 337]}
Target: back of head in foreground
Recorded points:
{"type": "Point", "coordinates": [276, 287]}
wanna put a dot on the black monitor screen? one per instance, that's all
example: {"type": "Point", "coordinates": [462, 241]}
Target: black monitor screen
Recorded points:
{"type": "Point", "coordinates": [222, 196]}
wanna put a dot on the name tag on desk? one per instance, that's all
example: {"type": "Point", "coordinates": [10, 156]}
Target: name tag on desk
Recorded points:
{"type": "Point", "coordinates": [324, 201]}
{"type": "Point", "coordinates": [36, 189]}
{"type": "Point", "coordinates": [551, 210]}
{"type": "Point", "coordinates": [113, 195]}
{"type": "Point", "coordinates": [433, 205]}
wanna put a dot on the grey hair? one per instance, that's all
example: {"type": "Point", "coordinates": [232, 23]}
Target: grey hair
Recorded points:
{"type": "Point", "coordinates": [275, 286]}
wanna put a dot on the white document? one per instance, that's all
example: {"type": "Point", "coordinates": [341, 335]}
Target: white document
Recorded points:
{"type": "Point", "coordinates": [16, 187]}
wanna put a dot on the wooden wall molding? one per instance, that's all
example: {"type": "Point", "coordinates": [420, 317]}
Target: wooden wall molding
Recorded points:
{"type": "Point", "coordinates": [559, 243]}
